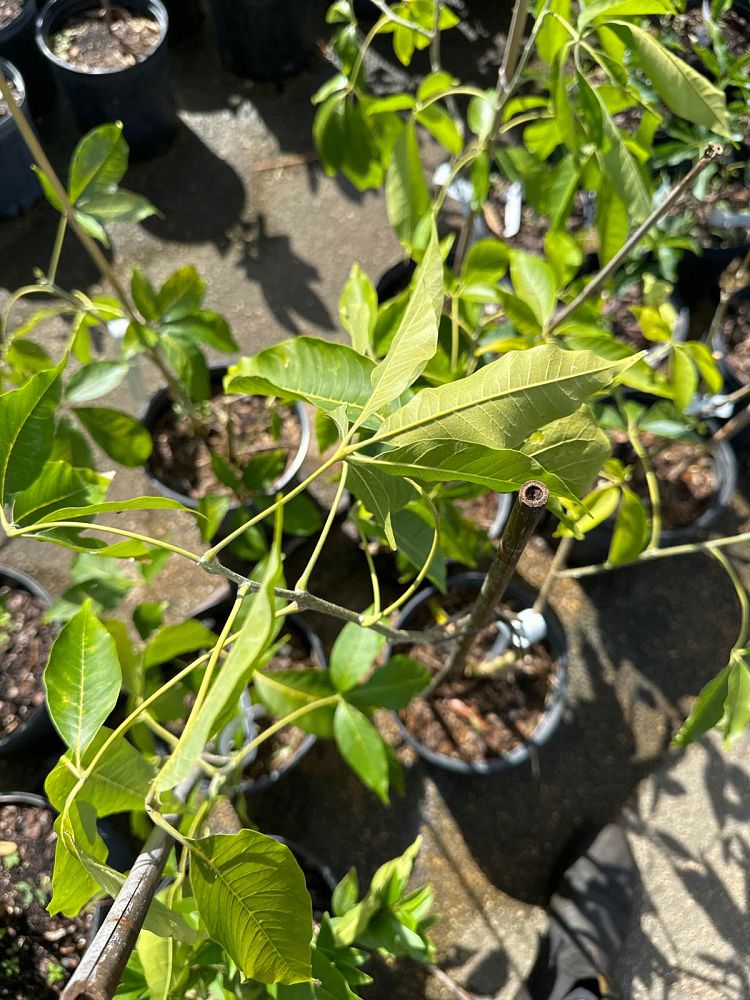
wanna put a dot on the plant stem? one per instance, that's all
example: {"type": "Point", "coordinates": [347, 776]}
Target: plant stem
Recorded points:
{"type": "Point", "coordinates": [374, 582]}
{"type": "Point", "coordinates": [651, 482]}
{"type": "Point", "coordinates": [57, 250]}
{"type": "Point", "coordinates": [711, 153]}
{"type": "Point", "coordinates": [107, 529]}
{"type": "Point", "coordinates": [742, 597]}
{"type": "Point", "coordinates": [307, 572]}
{"type": "Point", "coordinates": [210, 556]}
{"type": "Point", "coordinates": [513, 43]}
{"type": "Point", "coordinates": [524, 516]}
{"type": "Point", "coordinates": [688, 549]}
{"type": "Point", "coordinates": [455, 331]}
{"type": "Point", "coordinates": [733, 426]}
{"type": "Point", "coordinates": [215, 653]}
{"type": "Point", "coordinates": [101, 968]}
{"type": "Point", "coordinates": [390, 16]}
{"type": "Point", "coordinates": [558, 563]}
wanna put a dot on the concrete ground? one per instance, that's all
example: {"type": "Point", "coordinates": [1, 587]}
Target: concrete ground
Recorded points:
{"type": "Point", "coordinates": [243, 199]}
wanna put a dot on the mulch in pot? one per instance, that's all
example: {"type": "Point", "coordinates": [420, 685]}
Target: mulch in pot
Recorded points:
{"type": "Point", "coordinates": [9, 11]}
{"type": "Point", "coordinates": [480, 511]}
{"type": "Point", "coordinates": [38, 952]}
{"type": "Point", "coordinates": [4, 109]}
{"type": "Point", "coordinates": [236, 428]}
{"type": "Point", "coordinates": [25, 642]}
{"type": "Point", "coordinates": [684, 470]}
{"type": "Point", "coordinates": [94, 42]}
{"type": "Point", "coordinates": [736, 335]}
{"type": "Point", "coordinates": [689, 30]}
{"type": "Point", "coordinates": [475, 719]}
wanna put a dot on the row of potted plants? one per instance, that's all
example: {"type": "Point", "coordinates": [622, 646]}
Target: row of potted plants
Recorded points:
{"type": "Point", "coordinates": [494, 370]}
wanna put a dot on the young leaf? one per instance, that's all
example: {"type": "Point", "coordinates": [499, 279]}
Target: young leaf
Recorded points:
{"type": "Point", "coordinates": [252, 897]}
{"type": "Point", "coordinates": [346, 893]}
{"type": "Point", "coordinates": [382, 496]}
{"type": "Point", "coordinates": [99, 162]}
{"type": "Point", "coordinates": [353, 655]}
{"type": "Point", "coordinates": [148, 616]}
{"type": "Point", "coordinates": [95, 380]}
{"type": "Point", "coordinates": [180, 295]}
{"type": "Point", "coordinates": [684, 376]}
{"type": "Point", "coordinates": [392, 686]}
{"type": "Point", "coordinates": [119, 435]}
{"type": "Point", "coordinates": [502, 403]}
{"type": "Point", "coordinates": [708, 709]}
{"type": "Point", "coordinates": [283, 692]}
{"type": "Point", "coordinates": [685, 91]}
{"type": "Point", "coordinates": [362, 748]}
{"type": "Point", "coordinates": [415, 341]}
{"type": "Point", "coordinates": [172, 641]}
{"type": "Point", "coordinates": [72, 885]}
{"type": "Point", "coordinates": [144, 295]}
{"type": "Point", "coordinates": [534, 282]}
{"type": "Point", "coordinates": [407, 197]}
{"type": "Point", "coordinates": [27, 423]}
{"type": "Point", "coordinates": [631, 529]}
{"type": "Point", "coordinates": [224, 693]}
{"type": "Point", "coordinates": [114, 507]}
{"type": "Point", "coordinates": [328, 375]}
{"type": "Point", "coordinates": [358, 309]}
{"type": "Point", "coordinates": [58, 486]}
{"type": "Point", "coordinates": [118, 784]}
{"type": "Point", "coordinates": [442, 127]}
{"type": "Point", "coordinates": [82, 680]}
{"type": "Point", "coordinates": [552, 35]}
{"type": "Point", "coordinates": [573, 448]}
{"type": "Point", "coordinates": [736, 715]}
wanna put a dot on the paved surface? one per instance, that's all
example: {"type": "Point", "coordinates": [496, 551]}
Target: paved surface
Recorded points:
{"type": "Point", "coordinates": [275, 239]}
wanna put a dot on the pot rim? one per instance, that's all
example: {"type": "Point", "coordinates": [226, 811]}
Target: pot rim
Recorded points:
{"type": "Point", "coordinates": [155, 407]}
{"type": "Point", "coordinates": [308, 857]}
{"type": "Point", "coordinates": [556, 699]}
{"type": "Point", "coordinates": [17, 24]}
{"type": "Point", "coordinates": [47, 23]}
{"type": "Point", "coordinates": [13, 75]}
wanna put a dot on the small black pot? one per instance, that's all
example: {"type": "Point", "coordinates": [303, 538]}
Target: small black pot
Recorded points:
{"type": "Point", "coordinates": [139, 96]}
{"type": "Point", "coordinates": [19, 187]}
{"type": "Point", "coordinates": [557, 698]}
{"type": "Point", "coordinates": [37, 736]}
{"type": "Point", "coordinates": [18, 46]}
{"type": "Point", "coordinates": [262, 39]}
{"type": "Point", "coordinates": [252, 786]}
{"type": "Point", "coordinates": [319, 878]}
{"type": "Point", "coordinates": [698, 276]}
{"type": "Point", "coordinates": [594, 546]}
{"type": "Point", "coordinates": [160, 404]}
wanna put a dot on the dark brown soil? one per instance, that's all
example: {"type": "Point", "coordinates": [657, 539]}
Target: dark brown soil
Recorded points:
{"type": "Point", "coordinates": [736, 334]}
{"type": "Point", "coordinates": [685, 472]}
{"type": "Point", "coordinates": [281, 748]}
{"type": "Point", "coordinates": [689, 31]}
{"type": "Point", "coordinates": [238, 429]}
{"type": "Point", "coordinates": [625, 326]}
{"type": "Point", "coordinates": [731, 194]}
{"type": "Point", "coordinates": [37, 952]}
{"type": "Point", "coordinates": [479, 718]}
{"type": "Point", "coordinates": [25, 642]}
{"type": "Point", "coordinates": [481, 510]}
{"type": "Point", "coordinates": [534, 227]}
{"type": "Point", "coordinates": [9, 11]}
{"type": "Point", "coordinates": [92, 43]}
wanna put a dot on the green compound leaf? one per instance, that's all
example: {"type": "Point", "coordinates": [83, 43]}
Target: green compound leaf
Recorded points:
{"type": "Point", "coordinates": [82, 680]}
{"type": "Point", "coordinates": [252, 897]}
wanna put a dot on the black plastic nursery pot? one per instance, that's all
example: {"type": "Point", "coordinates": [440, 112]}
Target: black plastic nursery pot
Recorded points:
{"type": "Point", "coordinates": [734, 379]}
{"type": "Point", "coordinates": [36, 736]}
{"type": "Point", "coordinates": [555, 642]}
{"type": "Point", "coordinates": [185, 18]}
{"type": "Point", "coordinates": [262, 39]}
{"type": "Point", "coordinates": [160, 405]}
{"type": "Point", "coordinates": [19, 187]}
{"type": "Point", "coordinates": [140, 96]}
{"type": "Point", "coordinates": [18, 46]}
{"type": "Point", "coordinates": [319, 878]}
{"type": "Point", "coordinates": [300, 631]}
